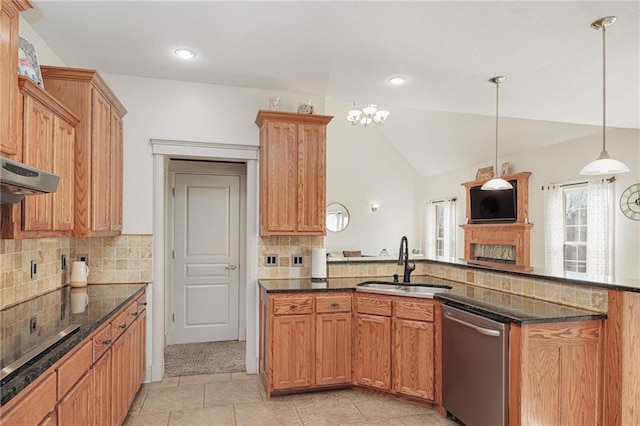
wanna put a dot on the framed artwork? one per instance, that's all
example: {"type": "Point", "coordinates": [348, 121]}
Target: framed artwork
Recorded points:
{"type": "Point", "coordinates": [505, 169]}
{"type": "Point", "coordinates": [28, 61]}
{"type": "Point", "coordinates": [484, 173]}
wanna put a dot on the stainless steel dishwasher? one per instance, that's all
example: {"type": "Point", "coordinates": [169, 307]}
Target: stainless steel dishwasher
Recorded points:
{"type": "Point", "coordinates": [475, 368]}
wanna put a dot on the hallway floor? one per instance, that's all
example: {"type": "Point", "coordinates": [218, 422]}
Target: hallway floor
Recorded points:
{"type": "Point", "coordinates": [238, 399]}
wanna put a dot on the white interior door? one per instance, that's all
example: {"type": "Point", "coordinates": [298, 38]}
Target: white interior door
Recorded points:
{"type": "Point", "coordinates": [206, 256]}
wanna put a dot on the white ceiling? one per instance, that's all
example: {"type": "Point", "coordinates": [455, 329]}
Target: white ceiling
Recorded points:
{"type": "Point", "coordinates": [346, 51]}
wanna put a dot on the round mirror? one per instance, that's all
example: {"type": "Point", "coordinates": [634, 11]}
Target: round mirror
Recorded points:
{"type": "Point", "coordinates": [337, 217]}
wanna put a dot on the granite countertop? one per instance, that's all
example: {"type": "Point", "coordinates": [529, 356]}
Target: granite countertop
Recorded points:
{"type": "Point", "coordinates": [54, 311]}
{"type": "Point", "coordinates": [492, 304]}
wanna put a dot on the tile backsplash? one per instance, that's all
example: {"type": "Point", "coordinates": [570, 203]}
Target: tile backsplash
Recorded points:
{"type": "Point", "coordinates": [122, 259]}
{"type": "Point", "coordinates": [285, 247]}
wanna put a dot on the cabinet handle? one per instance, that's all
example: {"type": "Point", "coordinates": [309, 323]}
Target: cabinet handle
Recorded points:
{"type": "Point", "coordinates": [123, 326]}
{"type": "Point", "coordinates": [293, 307]}
{"type": "Point", "coordinates": [135, 314]}
{"type": "Point", "coordinates": [106, 342]}
{"type": "Point", "coordinates": [335, 304]}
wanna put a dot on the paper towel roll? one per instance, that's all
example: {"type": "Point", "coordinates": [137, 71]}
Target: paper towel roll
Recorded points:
{"type": "Point", "coordinates": [319, 263]}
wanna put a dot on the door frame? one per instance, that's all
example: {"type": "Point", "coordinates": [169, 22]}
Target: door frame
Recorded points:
{"type": "Point", "coordinates": [163, 151]}
{"type": "Point", "coordinates": [201, 167]}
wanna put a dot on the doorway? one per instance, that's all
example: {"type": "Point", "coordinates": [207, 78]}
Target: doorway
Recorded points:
{"type": "Point", "coordinates": [206, 217]}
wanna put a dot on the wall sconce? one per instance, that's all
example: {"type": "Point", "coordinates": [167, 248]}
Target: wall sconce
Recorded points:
{"type": "Point", "coordinates": [375, 207]}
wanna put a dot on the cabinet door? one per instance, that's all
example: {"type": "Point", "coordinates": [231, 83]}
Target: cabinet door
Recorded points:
{"type": "Point", "coordinates": [63, 149]}
{"type": "Point", "coordinates": [292, 351]}
{"type": "Point", "coordinates": [311, 178]}
{"type": "Point", "coordinates": [333, 348]}
{"type": "Point", "coordinates": [50, 420]}
{"type": "Point", "coordinates": [100, 163]}
{"type": "Point", "coordinates": [279, 178]}
{"type": "Point", "coordinates": [115, 215]}
{"type": "Point", "coordinates": [141, 349]}
{"type": "Point", "coordinates": [121, 364]}
{"type": "Point", "coordinates": [413, 358]}
{"type": "Point", "coordinates": [9, 142]}
{"type": "Point", "coordinates": [102, 390]}
{"type": "Point", "coordinates": [76, 408]}
{"type": "Point", "coordinates": [37, 149]}
{"type": "Point", "coordinates": [373, 351]}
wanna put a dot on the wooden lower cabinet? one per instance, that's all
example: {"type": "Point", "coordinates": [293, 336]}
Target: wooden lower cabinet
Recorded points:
{"type": "Point", "coordinates": [76, 408]}
{"type": "Point", "coordinates": [305, 340]}
{"type": "Point", "coordinates": [397, 345]}
{"type": "Point", "coordinates": [102, 390]}
{"type": "Point", "coordinates": [373, 351]}
{"type": "Point", "coordinates": [556, 373]}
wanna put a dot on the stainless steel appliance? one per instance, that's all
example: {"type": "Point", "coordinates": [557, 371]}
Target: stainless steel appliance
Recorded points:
{"type": "Point", "coordinates": [18, 180]}
{"type": "Point", "coordinates": [475, 368]}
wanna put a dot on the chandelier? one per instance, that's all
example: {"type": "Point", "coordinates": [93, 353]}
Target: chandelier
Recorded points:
{"type": "Point", "coordinates": [366, 114]}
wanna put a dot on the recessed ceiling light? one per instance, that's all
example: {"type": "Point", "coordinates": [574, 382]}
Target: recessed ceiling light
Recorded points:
{"type": "Point", "coordinates": [185, 53]}
{"type": "Point", "coordinates": [397, 80]}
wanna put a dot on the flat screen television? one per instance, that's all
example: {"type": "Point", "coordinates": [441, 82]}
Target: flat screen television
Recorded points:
{"type": "Point", "coordinates": [494, 206]}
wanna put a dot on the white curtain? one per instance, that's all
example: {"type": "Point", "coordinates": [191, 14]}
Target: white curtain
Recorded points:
{"type": "Point", "coordinates": [553, 228]}
{"type": "Point", "coordinates": [431, 229]}
{"type": "Point", "coordinates": [599, 227]}
{"type": "Point", "coordinates": [450, 228]}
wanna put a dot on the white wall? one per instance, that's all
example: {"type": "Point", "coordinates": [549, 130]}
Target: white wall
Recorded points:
{"type": "Point", "coordinates": [46, 56]}
{"type": "Point", "coordinates": [559, 163]}
{"type": "Point", "coordinates": [363, 167]}
{"type": "Point", "coordinates": [175, 110]}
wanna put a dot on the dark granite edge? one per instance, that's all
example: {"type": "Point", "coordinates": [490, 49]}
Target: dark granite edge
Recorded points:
{"type": "Point", "coordinates": [469, 306]}
{"type": "Point", "coordinates": [25, 375]}
{"type": "Point", "coordinates": [542, 276]}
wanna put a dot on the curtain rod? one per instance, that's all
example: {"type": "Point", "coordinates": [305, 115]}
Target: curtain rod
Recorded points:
{"type": "Point", "coordinates": [610, 180]}
{"type": "Point", "coordinates": [443, 200]}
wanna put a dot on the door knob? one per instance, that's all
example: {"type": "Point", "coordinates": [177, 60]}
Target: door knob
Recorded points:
{"type": "Point", "coordinates": [231, 267]}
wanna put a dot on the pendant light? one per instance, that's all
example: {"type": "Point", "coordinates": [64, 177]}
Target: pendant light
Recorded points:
{"type": "Point", "coordinates": [497, 183]}
{"type": "Point", "coordinates": [604, 165]}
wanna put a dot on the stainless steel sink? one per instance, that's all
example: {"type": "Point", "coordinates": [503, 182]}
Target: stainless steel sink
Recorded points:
{"type": "Point", "coordinates": [401, 289]}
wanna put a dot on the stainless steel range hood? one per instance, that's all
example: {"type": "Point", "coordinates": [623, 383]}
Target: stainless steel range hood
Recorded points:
{"type": "Point", "coordinates": [18, 180]}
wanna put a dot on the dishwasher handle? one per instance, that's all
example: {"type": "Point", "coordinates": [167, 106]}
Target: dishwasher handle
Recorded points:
{"type": "Point", "coordinates": [482, 330]}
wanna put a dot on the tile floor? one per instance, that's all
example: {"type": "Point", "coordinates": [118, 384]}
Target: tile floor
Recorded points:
{"type": "Point", "coordinates": [238, 399]}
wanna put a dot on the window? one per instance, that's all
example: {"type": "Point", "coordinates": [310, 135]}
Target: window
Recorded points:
{"type": "Point", "coordinates": [575, 229]}
{"type": "Point", "coordinates": [578, 227]}
{"type": "Point", "coordinates": [441, 228]}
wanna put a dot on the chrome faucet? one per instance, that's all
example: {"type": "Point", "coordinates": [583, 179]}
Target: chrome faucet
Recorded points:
{"type": "Point", "coordinates": [403, 259]}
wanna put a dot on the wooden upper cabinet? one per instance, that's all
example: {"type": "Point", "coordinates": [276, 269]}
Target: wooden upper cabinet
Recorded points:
{"type": "Point", "coordinates": [47, 136]}
{"type": "Point", "coordinates": [292, 173]}
{"type": "Point", "coordinates": [98, 148]}
{"type": "Point", "coordinates": [10, 143]}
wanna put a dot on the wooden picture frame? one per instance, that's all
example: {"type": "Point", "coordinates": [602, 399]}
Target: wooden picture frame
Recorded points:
{"type": "Point", "coordinates": [28, 65]}
{"type": "Point", "coordinates": [484, 173]}
{"type": "Point", "coordinates": [505, 168]}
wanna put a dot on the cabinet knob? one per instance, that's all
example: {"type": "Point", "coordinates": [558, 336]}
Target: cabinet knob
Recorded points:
{"type": "Point", "coordinates": [144, 303]}
{"type": "Point", "coordinates": [293, 307]}
{"type": "Point", "coordinates": [123, 326]}
{"type": "Point", "coordinates": [135, 314]}
{"type": "Point", "coordinates": [335, 304]}
{"type": "Point", "coordinates": [106, 342]}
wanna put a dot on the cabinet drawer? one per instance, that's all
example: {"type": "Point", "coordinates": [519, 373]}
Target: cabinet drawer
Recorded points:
{"type": "Point", "coordinates": [119, 324]}
{"type": "Point", "coordinates": [415, 310]}
{"type": "Point", "coordinates": [74, 367]}
{"type": "Point", "coordinates": [333, 304]}
{"type": "Point", "coordinates": [374, 305]}
{"type": "Point", "coordinates": [292, 305]}
{"type": "Point", "coordinates": [102, 341]}
{"type": "Point", "coordinates": [142, 302]}
{"type": "Point", "coordinates": [34, 407]}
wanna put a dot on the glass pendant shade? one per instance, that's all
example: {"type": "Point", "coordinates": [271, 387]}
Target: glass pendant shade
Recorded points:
{"type": "Point", "coordinates": [496, 184]}
{"type": "Point", "coordinates": [604, 165]}
{"type": "Point", "coordinates": [367, 115]}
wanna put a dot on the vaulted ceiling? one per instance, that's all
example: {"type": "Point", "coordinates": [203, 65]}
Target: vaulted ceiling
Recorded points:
{"type": "Point", "coordinates": [346, 51]}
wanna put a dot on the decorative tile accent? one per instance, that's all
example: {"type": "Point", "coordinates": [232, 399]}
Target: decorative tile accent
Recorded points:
{"type": "Point", "coordinates": [123, 259]}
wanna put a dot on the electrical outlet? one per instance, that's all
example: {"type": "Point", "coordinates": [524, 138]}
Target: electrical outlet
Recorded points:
{"type": "Point", "coordinates": [296, 260]}
{"type": "Point", "coordinates": [34, 269]}
{"type": "Point", "coordinates": [271, 260]}
{"type": "Point", "coordinates": [33, 325]}
{"type": "Point", "coordinates": [84, 258]}
{"type": "Point", "coordinates": [63, 262]}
